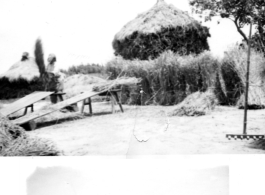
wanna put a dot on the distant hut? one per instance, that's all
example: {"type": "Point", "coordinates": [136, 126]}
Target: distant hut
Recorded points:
{"type": "Point", "coordinates": [163, 27]}
{"type": "Point", "coordinates": [26, 69]}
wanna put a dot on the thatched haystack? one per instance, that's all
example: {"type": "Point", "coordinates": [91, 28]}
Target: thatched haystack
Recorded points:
{"type": "Point", "coordinates": [196, 104]}
{"type": "Point", "coordinates": [27, 70]}
{"type": "Point", "coordinates": [234, 75]}
{"type": "Point", "coordinates": [163, 27]}
{"type": "Point", "coordinates": [76, 84]}
{"type": "Point", "coordinates": [15, 142]}
{"type": "Point", "coordinates": [21, 79]}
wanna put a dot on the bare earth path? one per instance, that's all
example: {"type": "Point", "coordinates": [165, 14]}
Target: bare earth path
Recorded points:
{"type": "Point", "coordinates": [121, 133]}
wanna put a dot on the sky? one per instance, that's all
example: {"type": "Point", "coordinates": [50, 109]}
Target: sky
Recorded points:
{"type": "Point", "coordinates": [81, 31]}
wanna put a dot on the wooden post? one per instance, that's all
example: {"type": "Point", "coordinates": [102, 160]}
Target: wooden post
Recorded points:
{"type": "Point", "coordinates": [90, 105]}
{"type": "Point", "coordinates": [118, 101]}
{"type": "Point", "coordinates": [83, 106]}
{"type": "Point", "coordinates": [112, 102]}
{"type": "Point", "coordinates": [247, 81]}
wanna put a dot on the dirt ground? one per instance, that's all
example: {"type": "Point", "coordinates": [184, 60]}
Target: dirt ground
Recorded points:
{"type": "Point", "coordinates": [148, 130]}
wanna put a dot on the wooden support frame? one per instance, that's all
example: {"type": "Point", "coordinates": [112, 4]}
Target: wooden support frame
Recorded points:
{"type": "Point", "coordinates": [26, 109]}
{"type": "Point", "coordinates": [114, 100]}
{"type": "Point", "coordinates": [88, 102]}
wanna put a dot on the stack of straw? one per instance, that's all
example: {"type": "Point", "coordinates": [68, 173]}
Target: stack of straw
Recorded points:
{"type": "Point", "coordinates": [117, 83]}
{"type": "Point", "coordinates": [15, 142]}
{"type": "Point", "coordinates": [162, 28]}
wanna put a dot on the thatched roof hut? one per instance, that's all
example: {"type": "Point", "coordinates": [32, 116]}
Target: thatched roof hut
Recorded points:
{"type": "Point", "coordinates": [26, 69]}
{"type": "Point", "coordinates": [163, 27]}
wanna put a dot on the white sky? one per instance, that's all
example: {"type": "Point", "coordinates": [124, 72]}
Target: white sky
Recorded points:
{"type": "Point", "coordinates": [80, 31]}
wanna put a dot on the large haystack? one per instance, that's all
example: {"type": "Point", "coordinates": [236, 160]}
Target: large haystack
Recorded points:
{"type": "Point", "coordinates": [76, 84]}
{"type": "Point", "coordinates": [163, 27]}
{"type": "Point", "coordinates": [15, 142]}
{"type": "Point", "coordinates": [27, 69]}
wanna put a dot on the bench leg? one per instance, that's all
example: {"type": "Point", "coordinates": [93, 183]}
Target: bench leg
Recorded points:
{"type": "Point", "coordinates": [25, 111]}
{"type": "Point", "coordinates": [90, 106]}
{"type": "Point", "coordinates": [32, 109]}
{"type": "Point", "coordinates": [60, 97]}
{"type": "Point", "coordinates": [118, 101]}
{"type": "Point", "coordinates": [83, 106]}
{"type": "Point", "coordinates": [112, 102]}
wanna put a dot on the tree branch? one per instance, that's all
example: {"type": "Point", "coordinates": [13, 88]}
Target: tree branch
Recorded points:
{"type": "Point", "coordinates": [239, 30]}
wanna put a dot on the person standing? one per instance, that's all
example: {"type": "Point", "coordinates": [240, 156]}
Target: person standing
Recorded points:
{"type": "Point", "coordinates": [51, 63]}
{"type": "Point", "coordinates": [25, 56]}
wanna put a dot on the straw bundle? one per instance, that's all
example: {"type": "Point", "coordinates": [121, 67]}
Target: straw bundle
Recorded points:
{"type": "Point", "coordinates": [196, 104]}
{"type": "Point", "coordinates": [15, 142]}
{"type": "Point", "coordinates": [27, 70]}
{"type": "Point", "coordinates": [163, 27]}
{"type": "Point", "coordinates": [235, 77]}
{"type": "Point", "coordinates": [117, 83]}
{"type": "Point", "coordinates": [74, 85]}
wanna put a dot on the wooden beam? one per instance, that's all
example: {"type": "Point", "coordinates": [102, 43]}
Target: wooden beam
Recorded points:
{"type": "Point", "coordinates": [25, 102]}
{"type": "Point", "coordinates": [55, 107]}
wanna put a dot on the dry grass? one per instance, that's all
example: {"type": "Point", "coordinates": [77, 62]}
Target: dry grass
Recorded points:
{"type": "Point", "coordinates": [74, 85]}
{"type": "Point", "coordinates": [168, 79]}
{"type": "Point", "coordinates": [235, 79]}
{"type": "Point", "coordinates": [15, 142]}
{"type": "Point", "coordinates": [196, 104]}
{"type": "Point", "coordinates": [117, 83]}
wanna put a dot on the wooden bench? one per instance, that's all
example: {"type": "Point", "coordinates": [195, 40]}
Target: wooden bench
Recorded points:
{"type": "Point", "coordinates": [114, 98]}
{"type": "Point", "coordinates": [55, 97]}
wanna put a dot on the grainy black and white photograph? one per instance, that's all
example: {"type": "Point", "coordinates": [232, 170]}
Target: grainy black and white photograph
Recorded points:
{"type": "Point", "coordinates": [132, 78]}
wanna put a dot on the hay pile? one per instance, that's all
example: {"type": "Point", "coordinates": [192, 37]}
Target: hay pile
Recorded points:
{"type": "Point", "coordinates": [117, 83]}
{"type": "Point", "coordinates": [163, 27]}
{"type": "Point", "coordinates": [234, 76]}
{"type": "Point", "coordinates": [27, 70]}
{"type": "Point", "coordinates": [15, 142]}
{"type": "Point", "coordinates": [196, 104]}
{"type": "Point", "coordinates": [74, 85]}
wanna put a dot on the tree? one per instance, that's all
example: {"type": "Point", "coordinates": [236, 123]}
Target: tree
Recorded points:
{"type": "Point", "coordinates": [240, 12]}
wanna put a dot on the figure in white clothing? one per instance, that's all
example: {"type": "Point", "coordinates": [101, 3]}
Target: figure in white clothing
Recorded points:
{"type": "Point", "coordinates": [51, 63]}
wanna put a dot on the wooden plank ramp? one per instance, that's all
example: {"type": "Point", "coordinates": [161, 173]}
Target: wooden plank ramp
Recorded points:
{"type": "Point", "coordinates": [55, 107]}
{"type": "Point", "coordinates": [24, 102]}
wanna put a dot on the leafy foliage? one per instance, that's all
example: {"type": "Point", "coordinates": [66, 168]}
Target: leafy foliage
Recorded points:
{"type": "Point", "coordinates": [241, 12]}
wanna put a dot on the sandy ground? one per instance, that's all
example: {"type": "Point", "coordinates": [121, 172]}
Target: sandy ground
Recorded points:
{"type": "Point", "coordinates": [148, 131]}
